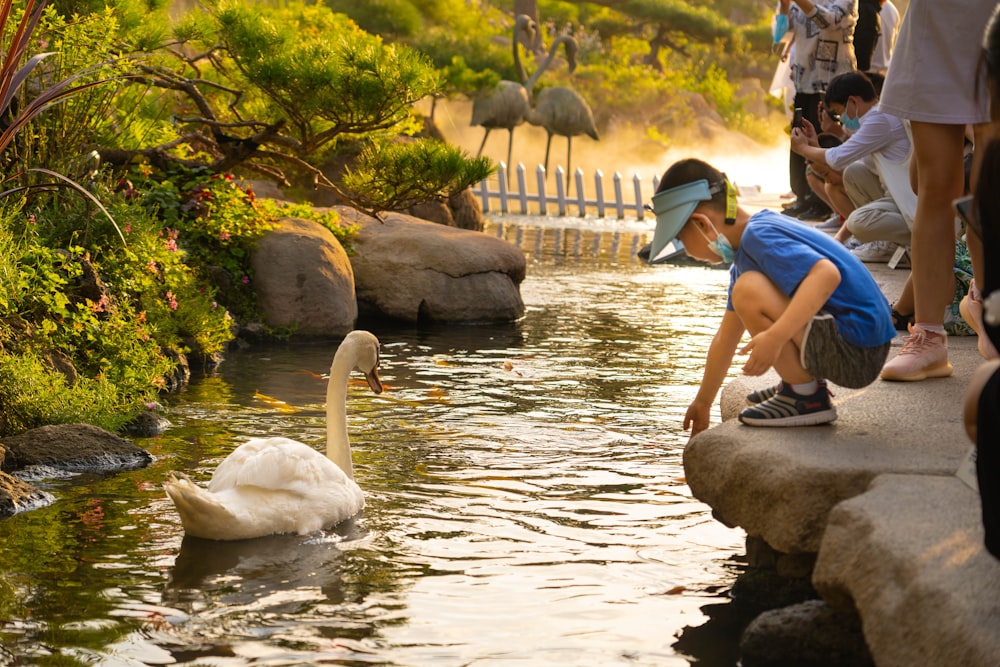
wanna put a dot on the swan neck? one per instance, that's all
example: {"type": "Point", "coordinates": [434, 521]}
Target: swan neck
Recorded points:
{"type": "Point", "coordinates": [338, 445]}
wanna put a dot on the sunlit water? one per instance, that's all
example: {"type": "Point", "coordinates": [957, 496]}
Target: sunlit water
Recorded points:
{"type": "Point", "coordinates": [526, 497]}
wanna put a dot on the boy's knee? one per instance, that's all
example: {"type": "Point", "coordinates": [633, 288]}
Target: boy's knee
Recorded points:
{"type": "Point", "coordinates": [749, 286]}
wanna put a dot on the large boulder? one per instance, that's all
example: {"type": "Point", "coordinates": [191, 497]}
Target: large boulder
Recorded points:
{"type": "Point", "coordinates": [73, 447]}
{"type": "Point", "coordinates": [908, 555]}
{"type": "Point", "coordinates": [411, 270]}
{"type": "Point", "coordinates": [304, 280]}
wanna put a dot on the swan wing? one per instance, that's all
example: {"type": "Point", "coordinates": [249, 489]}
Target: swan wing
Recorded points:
{"type": "Point", "coordinates": [278, 464]}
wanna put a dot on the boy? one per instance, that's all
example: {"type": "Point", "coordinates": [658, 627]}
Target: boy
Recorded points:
{"type": "Point", "coordinates": [813, 310]}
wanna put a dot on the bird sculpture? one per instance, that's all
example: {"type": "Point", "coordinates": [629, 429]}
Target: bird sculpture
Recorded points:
{"type": "Point", "coordinates": [562, 111]}
{"type": "Point", "coordinates": [510, 101]}
{"type": "Point", "coordinates": [507, 103]}
{"type": "Point", "coordinates": [275, 485]}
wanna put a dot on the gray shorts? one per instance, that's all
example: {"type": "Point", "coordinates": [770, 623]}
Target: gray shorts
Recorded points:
{"type": "Point", "coordinates": [828, 356]}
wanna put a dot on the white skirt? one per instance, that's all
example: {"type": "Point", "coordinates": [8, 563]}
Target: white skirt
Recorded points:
{"type": "Point", "coordinates": [935, 74]}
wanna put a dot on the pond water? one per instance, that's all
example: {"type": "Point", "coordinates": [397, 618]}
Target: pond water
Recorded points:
{"type": "Point", "coordinates": [526, 501]}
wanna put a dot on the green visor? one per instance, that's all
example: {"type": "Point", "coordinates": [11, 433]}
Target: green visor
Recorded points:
{"type": "Point", "coordinates": [672, 209]}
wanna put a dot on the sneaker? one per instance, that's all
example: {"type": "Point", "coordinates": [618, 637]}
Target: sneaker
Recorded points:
{"type": "Point", "coordinates": [875, 251]}
{"type": "Point", "coordinates": [815, 211]}
{"type": "Point", "coordinates": [971, 308]}
{"type": "Point", "coordinates": [761, 395]}
{"type": "Point", "coordinates": [924, 355]}
{"type": "Point", "coordinates": [786, 408]}
{"type": "Point", "coordinates": [832, 224]}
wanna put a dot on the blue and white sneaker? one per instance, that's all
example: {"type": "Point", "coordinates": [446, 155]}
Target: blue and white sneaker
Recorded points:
{"type": "Point", "coordinates": [786, 408]}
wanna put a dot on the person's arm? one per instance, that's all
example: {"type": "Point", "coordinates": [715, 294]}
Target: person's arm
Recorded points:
{"type": "Point", "coordinates": [717, 363]}
{"type": "Point", "coordinates": [970, 406]}
{"type": "Point", "coordinates": [810, 296]}
{"type": "Point", "coordinates": [802, 145]}
{"type": "Point", "coordinates": [825, 13]}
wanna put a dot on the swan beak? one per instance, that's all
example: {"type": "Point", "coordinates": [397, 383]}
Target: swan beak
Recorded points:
{"type": "Point", "coordinates": [374, 383]}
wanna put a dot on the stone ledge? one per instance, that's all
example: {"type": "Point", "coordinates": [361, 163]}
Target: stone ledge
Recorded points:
{"type": "Point", "coordinates": [781, 483]}
{"type": "Point", "coordinates": [908, 555]}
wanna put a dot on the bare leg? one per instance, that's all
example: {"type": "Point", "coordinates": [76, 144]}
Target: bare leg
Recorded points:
{"type": "Point", "coordinates": [759, 303]}
{"type": "Point", "coordinates": [938, 154]}
{"type": "Point", "coordinates": [904, 304]}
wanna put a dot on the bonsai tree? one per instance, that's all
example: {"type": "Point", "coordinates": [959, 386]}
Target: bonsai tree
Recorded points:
{"type": "Point", "coordinates": [278, 91]}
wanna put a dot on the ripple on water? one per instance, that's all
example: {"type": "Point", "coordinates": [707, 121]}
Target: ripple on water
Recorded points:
{"type": "Point", "coordinates": [526, 500]}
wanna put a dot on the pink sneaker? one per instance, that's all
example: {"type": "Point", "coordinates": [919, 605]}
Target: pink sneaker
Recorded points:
{"type": "Point", "coordinates": [925, 355]}
{"type": "Point", "coordinates": [971, 308]}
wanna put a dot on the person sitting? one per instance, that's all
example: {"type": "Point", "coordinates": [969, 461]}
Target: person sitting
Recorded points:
{"type": "Point", "coordinates": [878, 140]}
{"type": "Point", "coordinates": [813, 312]}
{"type": "Point", "coordinates": [828, 183]}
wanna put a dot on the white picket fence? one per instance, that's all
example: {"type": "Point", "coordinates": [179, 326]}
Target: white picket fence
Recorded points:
{"type": "Point", "coordinates": [495, 195]}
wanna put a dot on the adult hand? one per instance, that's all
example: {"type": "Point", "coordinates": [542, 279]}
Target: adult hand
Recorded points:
{"type": "Point", "coordinates": [763, 349]}
{"type": "Point", "coordinates": [810, 132]}
{"type": "Point", "coordinates": [799, 140]}
{"type": "Point", "coordinates": [696, 418]}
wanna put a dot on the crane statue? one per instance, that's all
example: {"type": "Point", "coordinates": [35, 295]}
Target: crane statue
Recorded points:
{"type": "Point", "coordinates": [562, 111]}
{"type": "Point", "coordinates": [509, 102]}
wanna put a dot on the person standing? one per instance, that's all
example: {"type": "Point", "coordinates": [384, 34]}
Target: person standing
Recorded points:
{"type": "Point", "coordinates": [867, 32]}
{"type": "Point", "coordinates": [823, 38]}
{"type": "Point", "coordinates": [934, 82]}
{"type": "Point", "coordinates": [889, 17]}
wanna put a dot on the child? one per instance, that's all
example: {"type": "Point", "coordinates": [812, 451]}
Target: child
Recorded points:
{"type": "Point", "coordinates": [813, 310]}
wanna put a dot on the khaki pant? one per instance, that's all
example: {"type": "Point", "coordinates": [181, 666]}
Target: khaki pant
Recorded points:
{"type": "Point", "coordinates": [876, 216]}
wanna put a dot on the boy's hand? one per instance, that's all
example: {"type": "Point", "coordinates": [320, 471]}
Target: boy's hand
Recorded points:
{"type": "Point", "coordinates": [763, 349]}
{"type": "Point", "coordinates": [696, 418]}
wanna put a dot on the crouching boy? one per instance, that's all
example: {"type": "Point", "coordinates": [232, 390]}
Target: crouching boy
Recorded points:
{"type": "Point", "coordinates": [813, 310]}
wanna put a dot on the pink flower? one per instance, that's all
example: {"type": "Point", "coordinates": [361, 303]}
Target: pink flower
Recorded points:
{"type": "Point", "coordinates": [152, 267]}
{"type": "Point", "coordinates": [171, 301]}
{"type": "Point", "coordinates": [128, 227]}
{"type": "Point", "coordinates": [223, 236]}
{"type": "Point", "coordinates": [246, 280]}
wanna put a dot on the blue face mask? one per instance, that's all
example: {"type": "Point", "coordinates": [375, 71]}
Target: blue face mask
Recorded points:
{"type": "Point", "coordinates": [850, 123]}
{"type": "Point", "coordinates": [721, 247]}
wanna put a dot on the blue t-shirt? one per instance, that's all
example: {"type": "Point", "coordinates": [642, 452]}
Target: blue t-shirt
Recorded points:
{"type": "Point", "coordinates": [785, 250]}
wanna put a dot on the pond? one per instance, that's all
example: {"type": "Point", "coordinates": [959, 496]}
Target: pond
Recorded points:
{"type": "Point", "coordinates": [526, 500]}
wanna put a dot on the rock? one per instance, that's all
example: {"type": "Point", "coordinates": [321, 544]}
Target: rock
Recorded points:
{"type": "Point", "coordinates": [263, 189]}
{"type": "Point", "coordinates": [73, 447]}
{"type": "Point", "coordinates": [780, 484]}
{"type": "Point", "coordinates": [808, 634]}
{"type": "Point", "coordinates": [908, 555]}
{"type": "Point", "coordinates": [304, 280]}
{"type": "Point", "coordinates": [147, 424]}
{"type": "Point", "coordinates": [19, 496]}
{"type": "Point", "coordinates": [411, 270]}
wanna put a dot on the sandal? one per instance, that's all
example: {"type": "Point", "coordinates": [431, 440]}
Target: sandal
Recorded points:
{"type": "Point", "coordinates": [900, 321]}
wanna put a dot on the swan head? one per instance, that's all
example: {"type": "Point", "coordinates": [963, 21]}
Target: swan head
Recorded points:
{"type": "Point", "coordinates": [363, 347]}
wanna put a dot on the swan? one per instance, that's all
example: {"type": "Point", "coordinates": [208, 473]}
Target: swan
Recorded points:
{"type": "Point", "coordinates": [277, 485]}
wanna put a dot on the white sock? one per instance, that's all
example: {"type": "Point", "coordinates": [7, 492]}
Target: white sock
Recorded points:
{"type": "Point", "coordinates": [806, 389]}
{"type": "Point", "coordinates": [933, 328]}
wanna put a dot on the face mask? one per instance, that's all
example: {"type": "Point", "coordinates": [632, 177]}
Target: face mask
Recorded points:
{"type": "Point", "coordinates": [850, 123]}
{"type": "Point", "coordinates": [721, 247]}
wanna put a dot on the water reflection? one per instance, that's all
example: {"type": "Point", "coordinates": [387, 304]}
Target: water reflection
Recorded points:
{"type": "Point", "coordinates": [525, 494]}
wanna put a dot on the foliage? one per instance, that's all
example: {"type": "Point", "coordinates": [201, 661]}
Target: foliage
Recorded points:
{"type": "Point", "coordinates": [414, 172]}
{"type": "Point", "coordinates": [215, 221]}
{"type": "Point", "coordinates": [48, 307]}
{"type": "Point", "coordinates": [398, 19]}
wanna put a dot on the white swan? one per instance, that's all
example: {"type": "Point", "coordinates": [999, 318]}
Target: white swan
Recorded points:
{"type": "Point", "coordinates": [277, 485]}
